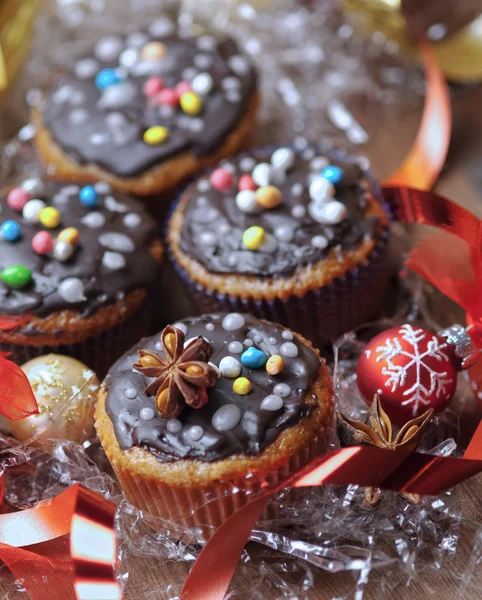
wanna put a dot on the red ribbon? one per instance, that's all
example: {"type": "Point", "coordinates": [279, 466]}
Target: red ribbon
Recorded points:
{"type": "Point", "coordinates": [46, 569]}
{"type": "Point", "coordinates": [17, 399]}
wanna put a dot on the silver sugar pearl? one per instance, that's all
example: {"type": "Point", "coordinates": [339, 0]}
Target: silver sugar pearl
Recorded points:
{"type": "Point", "coordinates": [195, 432]}
{"type": "Point", "coordinates": [227, 417]}
{"type": "Point", "coordinates": [130, 393]}
{"type": "Point", "coordinates": [282, 389]}
{"type": "Point", "coordinates": [272, 402]}
{"type": "Point", "coordinates": [146, 413]}
{"type": "Point", "coordinates": [174, 426]}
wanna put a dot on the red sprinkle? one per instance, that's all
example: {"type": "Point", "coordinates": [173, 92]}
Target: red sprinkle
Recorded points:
{"type": "Point", "coordinates": [153, 86]}
{"type": "Point", "coordinates": [182, 87]}
{"type": "Point", "coordinates": [246, 183]}
{"type": "Point", "coordinates": [42, 242]}
{"type": "Point", "coordinates": [221, 179]}
{"type": "Point", "coordinates": [18, 198]}
{"type": "Point", "coordinates": [168, 97]}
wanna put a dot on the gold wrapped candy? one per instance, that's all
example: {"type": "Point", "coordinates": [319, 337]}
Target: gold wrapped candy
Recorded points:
{"type": "Point", "coordinates": [16, 20]}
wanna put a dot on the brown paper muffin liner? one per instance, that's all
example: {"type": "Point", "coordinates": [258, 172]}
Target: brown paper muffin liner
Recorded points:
{"type": "Point", "coordinates": [206, 508]}
{"type": "Point", "coordinates": [100, 351]}
{"type": "Point", "coordinates": [321, 315]}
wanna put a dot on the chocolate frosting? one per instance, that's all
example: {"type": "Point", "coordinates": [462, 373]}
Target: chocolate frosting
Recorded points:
{"type": "Point", "coordinates": [106, 127]}
{"type": "Point", "coordinates": [249, 428]}
{"type": "Point", "coordinates": [117, 230]}
{"type": "Point", "coordinates": [213, 224]}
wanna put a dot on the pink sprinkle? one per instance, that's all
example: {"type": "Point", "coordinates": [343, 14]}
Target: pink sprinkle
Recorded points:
{"type": "Point", "coordinates": [182, 87]}
{"type": "Point", "coordinates": [42, 242]}
{"type": "Point", "coordinates": [169, 97]}
{"type": "Point", "coordinates": [18, 198]}
{"type": "Point", "coordinates": [153, 86]}
{"type": "Point", "coordinates": [221, 179]}
{"type": "Point", "coordinates": [246, 183]}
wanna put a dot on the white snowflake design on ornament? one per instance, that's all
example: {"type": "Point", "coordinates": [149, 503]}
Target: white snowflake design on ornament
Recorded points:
{"type": "Point", "coordinates": [417, 394]}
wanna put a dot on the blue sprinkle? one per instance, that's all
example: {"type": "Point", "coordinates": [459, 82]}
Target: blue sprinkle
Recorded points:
{"type": "Point", "coordinates": [333, 174]}
{"type": "Point", "coordinates": [253, 358]}
{"type": "Point", "coordinates": [106, 78]}
{"type": "Point", "coordinates": [10, 231]}
{"type": "Point", "coordinates": [88, 196]}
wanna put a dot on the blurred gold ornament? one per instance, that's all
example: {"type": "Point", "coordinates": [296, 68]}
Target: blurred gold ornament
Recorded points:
{"type": "Point", "coordinates": [16, 20]}
{"type": "Point", "coordinates": [459, 53]}
{"type": "Point", "coordinates": [66, 392]}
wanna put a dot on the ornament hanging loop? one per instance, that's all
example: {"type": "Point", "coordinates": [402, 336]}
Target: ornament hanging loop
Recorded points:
{"type": "Point", "coordinates": [464, 349]}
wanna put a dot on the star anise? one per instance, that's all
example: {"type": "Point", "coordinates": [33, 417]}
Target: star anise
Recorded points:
{"type": "Point", "coordinates": [182, 375]}
{"type": "Point", "coordinates": [378, 431]}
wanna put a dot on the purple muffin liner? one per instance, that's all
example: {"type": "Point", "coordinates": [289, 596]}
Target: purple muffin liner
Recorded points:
{"type": "Point", "coordinates": [98, 352]}
{"type": "Point", "coordinates": [321, 315]}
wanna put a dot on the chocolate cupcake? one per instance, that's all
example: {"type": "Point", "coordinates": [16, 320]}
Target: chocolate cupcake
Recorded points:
{"type": "Point", "coordinates": [79, 262]}
{"type": "Point", "coordinates": [195, 420]}
{"type": "Point", "coordinates": [144, 112]}
{"type": "Point", "coordinates": [294, 236]}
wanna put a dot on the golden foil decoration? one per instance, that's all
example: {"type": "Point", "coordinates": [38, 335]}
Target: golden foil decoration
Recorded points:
{"type": "Point", "coordinates": [459, 54]}
{"type": "Point", "coordinates": [16, 21]}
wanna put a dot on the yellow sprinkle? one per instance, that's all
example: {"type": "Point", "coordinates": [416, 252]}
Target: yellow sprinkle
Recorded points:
{"type": "Point", "coordinates": [70, 235]}
{"type": "Point", "coordinates": [253, 237]}
{"type": "Point", "coordinates": [191, 103]}
{"type": "Point", "coordinates": [156, 135]}
{"type": "Point", "coordinates": [242, 386]}
{"type": "Point", "coordinates": [50, 217]}
{"type": "Point", "coordinates": [275, 364]}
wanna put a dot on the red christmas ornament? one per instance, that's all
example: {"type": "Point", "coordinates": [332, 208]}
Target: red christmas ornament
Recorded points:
{"type": "Point", "coordinates": [413, 369]}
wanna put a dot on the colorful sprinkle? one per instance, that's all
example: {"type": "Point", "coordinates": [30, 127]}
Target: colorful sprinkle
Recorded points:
{"type": "Point", "coordinates": [31, 211]}
{"type": "Point", "coordinates": [17, 276]}
{"type": "Point", "coordinates": [153, 51]}
{"type": "Point", "coordinates": [153, 86]}
{"type": "Point", "coordinates": [72, 290]}
{"type": "Point", "coordinates": [226, 417]}
{"type": "Point", "coordinates": [246, 201]}
{"type": "Point", "coordinates": [88, 196]}
{"type": "Point", "coordinates": [262, 174]}
{"type": "Point", "coordinates": [321, 190]}
{"type": "Point", "coordinates": [191, 103]}
{"type": "Point", "coordinates": [254, 237]}
{"type": "Point", "coordinates": [333, 174]}
{"type": "Point", "coordinates": [230, 367]}
{"type": "Point", "coordinates": [50, 217]}
{"type": "Point", "coordinates": [275, 364]}
{"type": "Point", "coordinates": [284, 158]}
{"type": "Point", "coordinates": [221, 179]}
{"type": "Point", "coordinates": [268, 196]}
{"type": "Point", "coordinates": [69, 235]}
{"type": "Point", "coordinates": [289, 349]}
{"type": "Point", "coordinates": [253, 358]}
{"type": "Point", "coordinates": [233, 321]}
{"type": "Point", "coordinates": [42, 243]}
{"type": "Point", "coordinates": [18, 198]}
{"type": "Point", "coordinates": [106, 78]}
{"type": "Point", "coordinates": [242, 386]}
{"type": "Point", "coordinates": [202, 84]}
{"type": "Point", "coordinates": [246, 183]}
{"type": "Point", "coordinates": [272, 402]}
{"type": "Point", "coordinates": [10, 231]}
{"type": "Point", "coordinates": [156, 135]}
{"type": "Point", "coordinates": [168, 97]}
{"type": "Point", "coordinates": [182, 88]}
{"type": "Point", "coordinates": [63, 251]}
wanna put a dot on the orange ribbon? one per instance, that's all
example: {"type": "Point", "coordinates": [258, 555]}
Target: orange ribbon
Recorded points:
{"type": "Point", "coordinates": [17, 399]}
{"type": "Point", "coordinates": [45, 568]}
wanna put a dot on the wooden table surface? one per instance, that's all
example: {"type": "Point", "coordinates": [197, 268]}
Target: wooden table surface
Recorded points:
{"type": "Point", "coordinates": [461, 181]}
